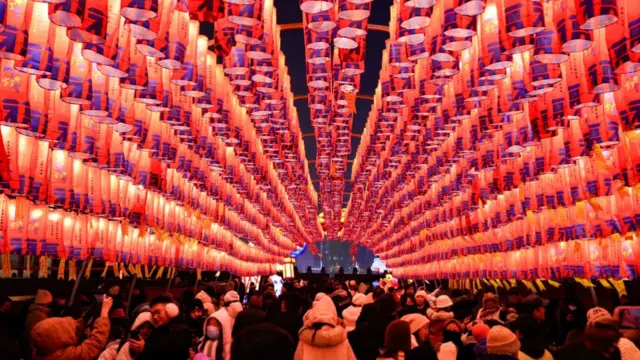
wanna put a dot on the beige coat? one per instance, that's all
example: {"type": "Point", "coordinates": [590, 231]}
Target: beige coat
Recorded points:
{"type": "Point", "coordinates": [56, 339]}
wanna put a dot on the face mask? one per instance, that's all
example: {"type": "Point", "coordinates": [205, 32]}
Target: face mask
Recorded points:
{"type": "Point", "coordinates": [213, 333]}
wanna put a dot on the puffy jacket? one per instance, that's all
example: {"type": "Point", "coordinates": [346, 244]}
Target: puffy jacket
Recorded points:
{"type": "Point", "coordinates": [56, 339]}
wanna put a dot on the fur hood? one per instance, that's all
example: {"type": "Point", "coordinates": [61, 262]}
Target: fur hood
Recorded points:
{"type": "Point", "coordinates": [350, 316]}
{"type": "Point", "coordinates": [324, 337]}
{"type": "Point", "coordinates": [441, 316]}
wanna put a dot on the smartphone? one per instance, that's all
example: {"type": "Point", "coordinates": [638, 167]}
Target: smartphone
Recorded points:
{"type": "Point", "coordinates": [629, 317]}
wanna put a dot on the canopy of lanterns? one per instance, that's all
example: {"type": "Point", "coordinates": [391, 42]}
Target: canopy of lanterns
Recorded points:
{"type": "Point", "coordinates": [502, 141]}
{"type": "Point", "coordinates": [124, 138]}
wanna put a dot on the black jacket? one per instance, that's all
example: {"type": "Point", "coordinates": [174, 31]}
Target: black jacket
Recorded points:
{"type": "Point", "coordinates": [171, 341]}
{"type": "Point", "coordinates": [291, 323]}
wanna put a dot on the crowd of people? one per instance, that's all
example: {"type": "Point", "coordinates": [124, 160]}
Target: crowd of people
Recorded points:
{"type": "Point", "coordinates": [335, 321]}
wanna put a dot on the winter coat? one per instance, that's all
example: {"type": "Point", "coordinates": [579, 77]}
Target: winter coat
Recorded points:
{"type": "Point", "coordinates": [321, 337]}
{"type": "Point", "coordinates": [35, 314]}
{"type": "Point", "coordinates": [210, 349]}
{"type": "Point", "coordinates": [628, 350]}
{"type": "Point", "coordinates": [481, 349]}
{"type": "Point", "coordinates": [578, 350]}
{"type": "Point", "coordinates": [124, 353]}
{"type": "Point", "coordinates": [111, 352]}
{"type": "Point", "coordinates": [350, 316]}
{"type": "Point", "coordinates": [170, 341]}
{"type": "Point", "coordinates": [56, 339]}
{"type": "Point", "coordinates": [422, 352]}
{"type": "Point", "coordinates": [9, 347]}
{"type": "Point", "coordinates": [436, 327]}
{"type": "Point", "coordinates": [325, 343]}
{"type": "Point", "coordinates": [368, 336]}
{"type": "Point", "coordinates": [227, 327]}
{"type": "Point", "coordinates": [291, 323]}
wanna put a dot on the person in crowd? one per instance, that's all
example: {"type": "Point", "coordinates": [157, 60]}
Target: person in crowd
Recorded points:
{"type": "Point", "coordinates": [353, 288]}
{"type": "Point", "coordinates": [397, 341]}
{"type": "Point", "coordinates": [422, 303]}
{"type": "Point", "coordinates": [341, 297]}
{"type": "Point", "coordinates": [321, 337]}
{"type": "Point", "coordinates": [438, 319]}
{"type": "Point", "coordinates": [170, 339]}
{"type": "Point", "coordinates": [317, 298]}
{"type": "Point", "coordinates": [9, 346]}
{"type": "Point", "coordinates": [535, 306]}
{"type": "Point", "coordinates": [262, 342]}
{"type": "Point", "coordinates": [532, 344]}
{"type": "Point", "coordinates": [370, 309]}
{"type": "Point", "coordinates": [38, 311]}
{"type": "Point", "coordinates": [350, 315]}
{"type": "Point", "coordinates": [290, 316]}
{"type": "Point", "coordinates": [227, 317]}
{"type": "Point", "coordinates": [252, 290]}
{"type": "Point", "coordinates": [57, 338]}
{"type": "Point", "coordinates": [514, 302]}
{"type": "Point", "coordinates": [490, 307]}
{"type": "Point", "coordinates": [116, 333]}
{"type": "Point", "coordinates": [212, 344]}
{"type": "Point", "coordinates": [452, 333]}
{"type": "Point", "coordinates": [140, 332]}
{"type": "Point", "coordinates": [368, 336]}
{"type": "Point", "coordinates": [421, 348]}
{"type": "Point", "coordinates": [242, 290]}
{"type": "Point", "coordinates": [502, 344]}
{"type": "Point", "coordinates": [270, 303]}
{"type": "Point", "coordinates": [407, 304]}
{"type": "Point", "coordinates": [250, 316]}
{"type": "Point", "coordinates": [479, 333]}
{"type": "Point", "coordinates": [194, 318]}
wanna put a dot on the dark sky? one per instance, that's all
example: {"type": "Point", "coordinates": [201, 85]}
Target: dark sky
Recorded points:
{"type": "Point", "coordinates": [292, 45]}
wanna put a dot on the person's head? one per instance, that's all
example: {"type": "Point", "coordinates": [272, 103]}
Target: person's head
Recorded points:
{"type": "Point", "coordinates": [421, 298]}
{"type": "Point", "coordinates": [5, 304]}
{"type": "Point", "coordinates": [386, 304]}
{"type": "Point", "coordinates": [409, 289]}
{"type": "Point", "coordinates": [452, 331]}
{"type": "Point", "coordinates": [43, 297]}
{"type": "Point", "coordinates": [143, 324]}
{"type": "Point", "coordinates": [597, 314]}
{"type": "Point", "coordinates": [197, 309]}
{"type": "Point", "coordinates": [377, 292]}
{"type": "Point", "coordinates": [526, 327]}
{"type": "Point", "coordinates": [536, 306]}
{"type": "Point", "coordinates": [501, 341]}
{"type": "Point", "coordinates": [480, 331]}
{"type": "Point", "coordinates": [490, 301]}
{"type": "Point", "coordinates": [252, 285]}
{"type": "Point", "coordinates": [255, 302]}
{"type": "Point", "coordinates": [262, 342]}
{"type": "Point", "coordinates": [232, 303]}
{"type": "Point", "coordinates": [514, 296]}
{"type": "Point", "coordinates": [163, 310]}
{"type": "Point", "coordinates": [296, 284]}
{"type": "Point", "coordinates": [443, 303]}
{"type": "Point", "coordinates": [397, 337]}
{"type": "Point", "coordinates": [419, 326]}
{"type": "Point", "coordinates": [602, 336]}
{"type": "Point", "coordinates": [291, 303]}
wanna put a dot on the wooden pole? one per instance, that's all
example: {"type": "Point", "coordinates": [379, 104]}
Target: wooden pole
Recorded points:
{"type": "Point", "coordinates": [131, 287]}
{"type": "Point", "coordinates": [77, 283]}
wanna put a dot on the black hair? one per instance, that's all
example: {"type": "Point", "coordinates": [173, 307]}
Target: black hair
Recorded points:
{"type": "Point", "coordinates": [292, 301]}
{"type": "Point", "coordinates": [161, 299]}
{"type": "Point", "coordinates": [262, 342]}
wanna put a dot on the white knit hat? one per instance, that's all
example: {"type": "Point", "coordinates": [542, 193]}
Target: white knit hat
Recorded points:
{"type": "Point", "coordinates": [502, 341]}
{"type": "Point", "coordinates": [231, 296]}
{"type": "Point", "coordinates": [416, 321]}
{"type": "Point", "coordinates": [204, 297]}
{"type": "Point", "coordinates": [359, 299]}
{"type": "Point", "coordinates": [448, 351]}
{"type": "Point", "coordinates": [443, 301]}
{"type": "Point", "coordinates": [423, 294]}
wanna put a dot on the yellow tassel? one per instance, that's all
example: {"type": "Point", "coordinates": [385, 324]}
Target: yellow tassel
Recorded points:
{"type": "Point", "coordinates": [540, 285]}
{"type": "Point", "coordinates": [87, 271]}
{"type": "Point", "coordinates": [146, 271]}
{"type": "Point", "coordinates": [43, 272]}
{"type": "Point", "coordinates": [73, 273]}
{"type": "Point", "coordinates": [619, 285]}
{"type": "Point", "coordinates": [61, 268]}
{"type": "Point", "coordinates": [198, 274]}
{"type": "Point", "coordinates": [6, 266]}
{"type": "Point", "coordinates": [554, 283]}
{"type": "Point", "coordinates": [27, 260]}
{"type": "Point", "coordinates": [159, 274]}
{"type": "Point", "coordinates": [605, 283]}
{"type": "Point", "coordinates": [139, 271]}
{"type": "Point", "coordinates": [106, 268]}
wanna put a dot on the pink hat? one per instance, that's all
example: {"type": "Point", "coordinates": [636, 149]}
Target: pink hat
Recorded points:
{"type": "Point", "coordinates": [502, 341]}
{"type": "Point", "coordinates": [480, 331]}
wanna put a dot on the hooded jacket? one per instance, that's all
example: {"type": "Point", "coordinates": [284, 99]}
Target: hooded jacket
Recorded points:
{"type": "Point", "coordinates": [227, 316]}
{"type": "Point", "coordinates": [124, 353]}
{"type": "Point", "coordinates": [208, 348]}
{"type": "Point", "coordinates": [35, 314]}
{"type": "Point", "coordinates": [321, 337]}
{"type": "Point", "coordinates": [169, 341]}
{"type": "Point", "coordinates": [56, 339]}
